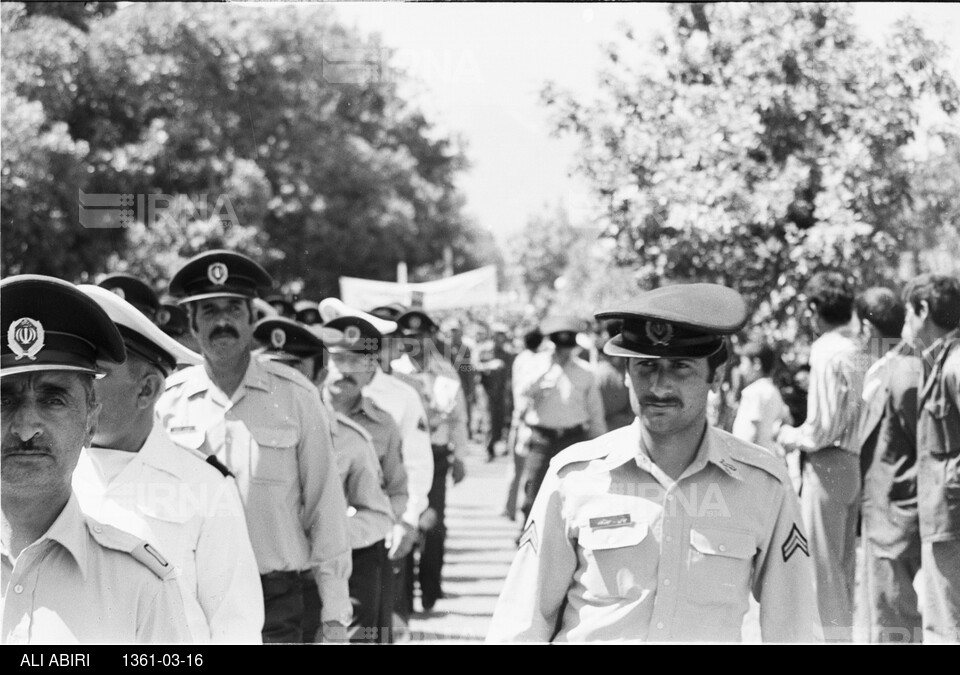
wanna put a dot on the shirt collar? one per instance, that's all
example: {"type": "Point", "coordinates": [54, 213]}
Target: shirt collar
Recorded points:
{"type": "Point", "coordinates": [931, 353]}
{"type": "Point", "coordinates": [255, 377]}
{"type": "Point", "coordinates": [712, 450]}
{"type": "Point", "coordinates": [69, 530]}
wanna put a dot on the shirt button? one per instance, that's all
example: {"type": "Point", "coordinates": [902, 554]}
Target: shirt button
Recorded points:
{"type": "Point", "coordinates": [18, 589]}
{"type": "Point", "coordinates": [97, 529]}
{"type": "Point", "coordinates": [670, 497]}
{"type": "Point", "coordinates": [669, 538]}
{"type": "Point", "coordinates": [666, 582]}
{"type": "Point", "coordinates": [660, 625]}
{"type": "Point", "coordinates": [722, 548]}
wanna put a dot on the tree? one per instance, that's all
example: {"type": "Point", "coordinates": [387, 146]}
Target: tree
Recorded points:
{"type": "Point", "coordinates": [288, 121]}
{"type": "Point", "coordinates": [760, 143]}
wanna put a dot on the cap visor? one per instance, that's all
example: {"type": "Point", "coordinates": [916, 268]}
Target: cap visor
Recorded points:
{"type": "Point", "coordinates": [208, 296]}
{"type": "Point", "coordinates": [16, 370]}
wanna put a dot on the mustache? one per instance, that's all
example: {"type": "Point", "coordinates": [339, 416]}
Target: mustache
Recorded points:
{"type": "Point", "coordinates": [346, 378]}
{"type": "Point", "coordinates": [655, 400]}
{"type": "Point", "coordinates": [24, 447]}
{"type": "Point", "coordinates": [224, 331]}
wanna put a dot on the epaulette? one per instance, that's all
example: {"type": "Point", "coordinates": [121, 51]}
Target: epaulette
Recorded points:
{"type": "Point", "coordinates": [580, 452]}
{"type": "Point", "coordinates": [218, 465]}
{"type": "Point", "coordinates": [755, 456]}
{"type": "Point", "coordinates": [118, 540]}
{"type": "Point", "coordinates": [178, 377]}
{"type": "Point", "coordinates": [287, 373]}
{"type": "Point", "coordinates": [350, 424]}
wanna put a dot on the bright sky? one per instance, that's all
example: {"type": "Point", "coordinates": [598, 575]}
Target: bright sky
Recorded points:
{"type": "Point", "coordinates": [478, 70]}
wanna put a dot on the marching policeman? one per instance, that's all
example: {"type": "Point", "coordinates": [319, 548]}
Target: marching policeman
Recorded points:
{"type": "Point", "coordinates": [135, 291]}
{"type": "Point", "coordinates": [134, 477]}
{"type": "Point", "coordinates": [67, 579]}
{"type": "Point", "coordinates": [265, 422]}
{"type": "Point", "coordinates": [659, 531]}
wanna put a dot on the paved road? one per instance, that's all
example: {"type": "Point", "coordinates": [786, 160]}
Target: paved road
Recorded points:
{"type": "Point", "coordinates": [480, 546]}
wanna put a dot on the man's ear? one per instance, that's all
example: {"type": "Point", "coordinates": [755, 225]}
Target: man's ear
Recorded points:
{"type": "Point", "coordinates": [93, 421]}
{"type": "Point", "coordinates": [151, 388]}
{"type": "Point", "coordinates": [718, 376]}
{"type": "Point", "coordinates": [924, 312]}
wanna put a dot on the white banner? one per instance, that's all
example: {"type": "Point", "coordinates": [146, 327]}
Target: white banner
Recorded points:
{"type": "Point", "coordinates": [470, 289]}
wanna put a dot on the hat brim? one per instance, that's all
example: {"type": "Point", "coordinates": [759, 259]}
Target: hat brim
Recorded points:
{"type": "Point", "coordinates": [210, 296]}
{"type": "Point", "coordinates": [614, 347]}
{"type": "Point", "coordinates": [17, 370]}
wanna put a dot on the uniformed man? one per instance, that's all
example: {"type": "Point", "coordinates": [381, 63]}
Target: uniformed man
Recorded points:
{"type": "Point", "coordinates": [559, 404]}
{"type": "Point", "coordinates": [135, 291]}
{"type": "Point", "coordinates": [134, 477]}
{"type": "Point", "coordinates": [437, 381]}
{"type": "Point", "coordinates": [660, 530]}
{"type": "Point", "coordinates": [933, 323]}
{"type": "Point", "coordinates": [370, 519]}
{"type": "Point", "coordinates": [308, 313]}
{"type": "Point", "coordinates": [405, 405]}
{"type": "Point", "coordinates": [265, 422]}
{"type": "Point", "coordinates": [173, 320]}
{"type": "Point", "coordinates": [67, 579]}
{"type": "Point", "coordinates": [352, 366]}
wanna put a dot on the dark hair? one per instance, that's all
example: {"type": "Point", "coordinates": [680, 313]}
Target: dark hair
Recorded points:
{"type": "Point", "coordinates": [832, 296]}
{"type": "Point", "coordinates": [881, 307]}
{"type": "Point", "coordinates": [764, 353]}
{"type": "Point", "coordinates": [942, 295]}
{"type": "Point", "coordinates": [533, 339]}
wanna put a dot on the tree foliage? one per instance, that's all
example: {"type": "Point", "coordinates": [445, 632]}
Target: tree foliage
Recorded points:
{"type": "Point", "coordinates": [757, 143]}
{"type": "Point", "coordinates": [285, 117]}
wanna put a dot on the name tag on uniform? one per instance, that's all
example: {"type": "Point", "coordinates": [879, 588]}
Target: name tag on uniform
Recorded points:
{"type": "Point", "coordinates": [174, 430]}
{"type": "Point", "coordinates": [610, 521]}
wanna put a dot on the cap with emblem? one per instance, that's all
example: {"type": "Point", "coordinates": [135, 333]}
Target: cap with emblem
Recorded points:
{"type": "Point", "coordinates": [561, 330]}
{"type": "Point", "coordinates": [686, 320]}
{"type": "Point", "coordinates": [283, 306]}
{"type": "Point", "coordinates": [217, 274]}
{"type": "Point", "coordinates": [49, 324]}
{"type": "Point", "coordinates": [172, 319]}
{"type": "Point", "coordinates": [307, 312]}
{"type": "Point", "coordinates": [141, 336]}
{"type": "Point", "coordinates": [284, 339]}
{"type": "Point", "coordinates": [416, 322]}
{"type": "Point", "coordinates": [333, 308]}
{"type": "Point", "coordinates": [390, 312]}
{"type": "Point", "coordinates": [133, 290]}
{"type": "Point", "coordinates": [358, 335]}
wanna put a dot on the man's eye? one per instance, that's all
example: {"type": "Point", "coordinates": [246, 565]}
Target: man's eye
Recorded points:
{"type": "Point", "coordinates": [54, 401]}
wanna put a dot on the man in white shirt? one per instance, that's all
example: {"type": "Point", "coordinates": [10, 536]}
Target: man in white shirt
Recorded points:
{"type": "Point", "coordinates": [134, 477]}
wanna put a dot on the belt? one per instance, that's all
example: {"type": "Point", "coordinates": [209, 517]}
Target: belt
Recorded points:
{"type": "Point", "coordinates": [553, 432]}
{"type": "Point", "coordinates": [285, 574]}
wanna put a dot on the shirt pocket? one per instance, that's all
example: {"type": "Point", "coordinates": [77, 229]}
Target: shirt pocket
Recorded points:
{"type": "Point", "coordinates": [720, 565]}
{"type": "Point", "coordinates": [615, 563]}
{"type": "Point", "coordinates": [273, 455]}
{"type": "Point", "coordinates": [946, 428]}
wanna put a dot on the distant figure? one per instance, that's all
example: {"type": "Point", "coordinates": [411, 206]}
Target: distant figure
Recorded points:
{"type": "Point", "coordinates": [461, 354]}
{"type": "Point", "coordinates": [611, 377]}
{"type": "Point", "coordinates": [761, 410]}
{"type": "Point", "coordinates": [495, 367]}
{"type": "Point", "coordinates": [532, 340]}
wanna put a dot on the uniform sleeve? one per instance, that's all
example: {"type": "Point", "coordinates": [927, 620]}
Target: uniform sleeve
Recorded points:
{"type": "Point", "coordinates": [394, 472]}
{"type": "Point", "coordinates": [373, 518]}
{"type": "Point", "coordinates": [228, 581]}
{"type": "Point", "coordinates": [598, 421]}
{"type": "Point", "coordinates": [783, 581]}
{"type": "Point", "coordinates": [533, 595]}
{"type": "Point", "coordinates": [324, 510]}
{"type": "Point", "coordinates": [417, 458]}
{"type": "Point", "coordinates": [161, 619]}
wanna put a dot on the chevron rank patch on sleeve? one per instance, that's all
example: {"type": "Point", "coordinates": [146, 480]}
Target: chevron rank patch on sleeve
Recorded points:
{"type": "Point", "coordinates": [795, 542]}
{"type": "Point", "coordinates": [529, 536]}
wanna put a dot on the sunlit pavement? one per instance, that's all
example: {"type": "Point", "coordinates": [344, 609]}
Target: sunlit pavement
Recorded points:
{"type": "Point", "coordinates": [480, 547]}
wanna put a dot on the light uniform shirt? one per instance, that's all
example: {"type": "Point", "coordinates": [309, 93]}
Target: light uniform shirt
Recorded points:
{"type": "Point", "coordinates": [836, 384]}
{"type": "Point", "coordinates": [385, 435]}
{"type": "Point", "coordinates": [403, 404]}
{"type": "Point", "coordinates": [761, 408]}
{"type": "Point", "coordinates": [370, 517]}
{"type": "Point", "coordinates": [274, 435]}
{"type": "Point", "coordinates": [87, 583]}
{"type": "Point", "coordinates": [614, 550]}
{"type": "Point", "coordinates": [192, 514]}
{"type": "Point", "coordinates": [439, 384]}
{"type": "Point", "coordinates": [561, 397]}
